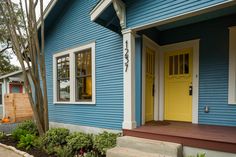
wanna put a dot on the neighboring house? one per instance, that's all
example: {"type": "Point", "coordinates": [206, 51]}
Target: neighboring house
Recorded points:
{"type": "Point", "coordinates": [116, 65]}
{"type": "Point", "coordinates": [10, 83]}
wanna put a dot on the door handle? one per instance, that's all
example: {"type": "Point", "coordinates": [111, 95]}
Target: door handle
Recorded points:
{"type": "Point", "coordinates": [191, 90]}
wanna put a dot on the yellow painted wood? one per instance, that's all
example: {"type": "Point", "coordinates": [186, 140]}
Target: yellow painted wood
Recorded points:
{"type": "Point", "coordinates": [150, 68]}
{"type": "Point", "coordinates": [178, 79]}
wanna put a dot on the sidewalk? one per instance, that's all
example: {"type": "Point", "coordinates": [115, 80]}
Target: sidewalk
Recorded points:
{"type": "Point", "coordinates": [8, 153]}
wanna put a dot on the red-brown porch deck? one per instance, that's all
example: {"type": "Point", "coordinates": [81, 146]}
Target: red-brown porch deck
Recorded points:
{"type": "Point", "coordinates": [219, 138]}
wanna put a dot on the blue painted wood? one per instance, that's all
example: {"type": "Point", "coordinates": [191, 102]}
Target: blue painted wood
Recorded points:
{"type": "Point", "coordinates": [138, 81]}
{"type": "Point", "coordinates": [214, 62]}
{"type": "Point", "coordinates": [70, 28]}
{"type": "Point", "coordinates": [140, 12]}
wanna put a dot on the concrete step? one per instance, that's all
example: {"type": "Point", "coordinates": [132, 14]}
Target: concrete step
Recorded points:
{"type": "Point", "coordinates": [151, 146]}
{"type": "Point", "coordinates": [128, 152]}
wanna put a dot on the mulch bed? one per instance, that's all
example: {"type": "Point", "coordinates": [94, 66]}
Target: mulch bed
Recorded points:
{"type": "Point", "coordinates": [7, 140]}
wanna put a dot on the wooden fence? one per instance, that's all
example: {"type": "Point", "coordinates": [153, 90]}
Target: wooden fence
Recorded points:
{"type": "Point", "coordinates": [17, 107]}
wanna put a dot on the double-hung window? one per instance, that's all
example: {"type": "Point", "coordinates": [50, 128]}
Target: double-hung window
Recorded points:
{"type": "Point", "coordinates": [74, 76]}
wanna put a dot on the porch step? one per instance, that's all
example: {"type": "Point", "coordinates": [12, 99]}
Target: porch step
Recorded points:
{"type": "Point", "coordinates": [128, 152]}
{"type": "Point", "coordinates": [128, 146]}
{"type": "Point", "coordinates": [151, 146]}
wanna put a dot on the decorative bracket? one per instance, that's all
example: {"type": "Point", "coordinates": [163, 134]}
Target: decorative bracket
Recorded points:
{"type": "Point", "coordinates": [119, 7]}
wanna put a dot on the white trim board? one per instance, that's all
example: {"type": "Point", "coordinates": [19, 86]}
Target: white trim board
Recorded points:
{"type": "Point", "coordinates": [232, 66]}
{"type": "Point", "coordinates": [154, 46]}
{"type": "Point", "coordinates": [72, 52]}
{"type": "Point", "coordinates": [176, 46]}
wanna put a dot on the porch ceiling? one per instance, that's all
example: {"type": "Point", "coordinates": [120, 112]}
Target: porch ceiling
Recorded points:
{"type": "Point", "coordinates": [199, 18]}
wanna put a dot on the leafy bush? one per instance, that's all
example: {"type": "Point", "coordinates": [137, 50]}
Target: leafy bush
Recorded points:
{"type": "Point", "coordinates": [199, 155]}
{"type": "Point", "coordinates": [53, 138]}
{"type": "Point", "coordinates": [79, 141]}
{"type": "Point", "coordinates": [29, 126]}
{"type": "Point", "coordinates": [17, 133]}
{"type": "Point", "coordinates": [104, 141]}
{"type": "Point", "coordinates": [64, 151]}
{"type": "Point", "coordinates": [2, 134]}
{"type": "Point", "coordinates": [27, 141]}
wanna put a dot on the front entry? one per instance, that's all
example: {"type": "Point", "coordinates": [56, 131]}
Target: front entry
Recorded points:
{"type": "Point", "coordinates": [149, 93]}
{"type": "Point", "coordinates": [178, 85]}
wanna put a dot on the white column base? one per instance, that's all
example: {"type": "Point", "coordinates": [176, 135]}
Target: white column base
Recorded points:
{"type": "Point", "coordinates": [129, 125]}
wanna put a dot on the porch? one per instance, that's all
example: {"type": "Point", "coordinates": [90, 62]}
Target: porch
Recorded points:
{"type": "Point", "coordinates": [218, 138]}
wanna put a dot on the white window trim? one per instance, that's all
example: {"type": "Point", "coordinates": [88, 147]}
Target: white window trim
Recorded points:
{"type": "Point", "coordinates": [232, 66]}
{"type": "Point", "coordinates": [72, 52]}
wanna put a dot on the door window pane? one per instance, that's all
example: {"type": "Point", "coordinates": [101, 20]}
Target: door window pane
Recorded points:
{"type": "Point", "coordinates": [176, 64]}
{"type": "Point", "coordinates": [170, 65]}
{"type": "Point", "coordinates": [186, 64]}
{"type": "Point", "coordinates": [181, 64]}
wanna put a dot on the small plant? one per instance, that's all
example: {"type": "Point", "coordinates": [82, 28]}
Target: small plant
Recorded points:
{"type": "Point", "coordinates": [18, 132]}
{"type": "Point", "coordinates": [64, 151]}
{"type": "Point", "coordinates": [27, 141]}
{"type": "Point", "coordinates": [104, 141]}
{"type": "Point", "coordinates": [54, 138]}
{"type": "Point", "coordinates": [199, 155]}
{"type": "Point", "coordinates": [28, 125]}
{"type": "Point", "coordinates": [2, 135]}
{"type": "Point", "coordinates": [79, 141]}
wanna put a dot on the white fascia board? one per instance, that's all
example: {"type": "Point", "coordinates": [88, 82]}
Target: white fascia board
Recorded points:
{"type": "Point", "coordinates": [101, 6]}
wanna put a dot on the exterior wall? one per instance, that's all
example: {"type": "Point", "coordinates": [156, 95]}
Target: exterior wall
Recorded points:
{"type": "Point", "coordinates": [72, 28]}
{"type": "Point", "coordinates": [214, 64]}
{"type": "Point", "coordinates": [140, 12]}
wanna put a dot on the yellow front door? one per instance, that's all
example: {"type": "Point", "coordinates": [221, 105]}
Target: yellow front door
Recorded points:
{"type": "Point", "coordinates": [150, 71]}
{"type": "Point", "coordinates": [178, 85]}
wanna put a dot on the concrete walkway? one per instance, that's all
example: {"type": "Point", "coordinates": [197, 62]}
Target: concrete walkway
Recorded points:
{"type": "Point", "coordinates": [8, 153]}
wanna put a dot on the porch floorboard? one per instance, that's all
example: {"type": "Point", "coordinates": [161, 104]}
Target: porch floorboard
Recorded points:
{"type": "Point", "coordinates": [219, 138]}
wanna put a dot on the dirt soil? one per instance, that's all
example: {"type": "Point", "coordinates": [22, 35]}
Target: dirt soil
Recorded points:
{"type": "Point", "coordinates": [34, 151]}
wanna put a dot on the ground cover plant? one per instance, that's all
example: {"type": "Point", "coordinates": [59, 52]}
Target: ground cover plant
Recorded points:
{"type": "Point", "coordinates": [58, 142]}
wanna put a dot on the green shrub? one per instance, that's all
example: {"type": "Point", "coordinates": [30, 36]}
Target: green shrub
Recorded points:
{"type": "Point", "coordinates": [79, 141]}
{"type": "Point", "coordinates": [104, 141]}
{"type": "Point", "coordinates": [64, 151]}
{"type": "Point", "coordinates": [28, 125]}
{"type": "Point", "coordinates": [2, 135]}
{"type": "Point", "coordinates": [53, 138]}
{"type": "Point", "coordinates": [199, 155]}
{"type": "Point", "coordinates": [18, 132]}
{"type": "Point", "coordinates": [27, 141]}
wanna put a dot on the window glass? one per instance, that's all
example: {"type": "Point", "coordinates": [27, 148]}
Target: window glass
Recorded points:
{"type": "Point", "coordinates": [170, 65]}
{"type": "Point", "coordinates": [84, 76]}
{"type": "Point", "coordinates": [176, 64]}
{"type": "Point", "coordinates": [186, 64]}
{"type": "Point", "coordinates": [63, 78]}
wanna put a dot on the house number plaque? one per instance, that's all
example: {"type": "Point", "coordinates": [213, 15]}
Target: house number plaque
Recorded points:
{"type": "Point", "coordinates": [126, 56]}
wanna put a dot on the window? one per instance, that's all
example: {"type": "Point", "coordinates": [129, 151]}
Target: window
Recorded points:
{"type": "Point", "coordinates": [84, 76]}
{"type": "Point", "coordinates": [63, 78]}
{"type": "Point", "coordinates": [232, 66]}
{"type": "Point", "coordinates": [74, 76]}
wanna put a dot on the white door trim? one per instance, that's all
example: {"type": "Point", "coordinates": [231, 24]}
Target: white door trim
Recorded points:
{"type": "Point", "coordinates": [148, 42]}
{"type": "Point", "coordinates": [172, 47]}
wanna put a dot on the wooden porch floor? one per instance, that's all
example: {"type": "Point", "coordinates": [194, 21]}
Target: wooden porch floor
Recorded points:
{"type": "Point", "coordinates": [218, 138]}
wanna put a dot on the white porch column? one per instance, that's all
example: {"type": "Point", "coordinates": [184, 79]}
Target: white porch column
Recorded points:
{"type": "Point", "coordinates": [129, 79]}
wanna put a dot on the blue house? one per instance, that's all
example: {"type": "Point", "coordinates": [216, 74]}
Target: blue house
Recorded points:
{"type": "Point", "coordinates": [139, 65]}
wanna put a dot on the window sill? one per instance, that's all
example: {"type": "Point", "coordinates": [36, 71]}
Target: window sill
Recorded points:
{"type": "Point", "coordinates": [74, 103]}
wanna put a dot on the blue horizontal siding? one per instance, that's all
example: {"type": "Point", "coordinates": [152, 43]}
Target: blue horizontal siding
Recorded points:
{"type": "Point", "coordinates": [213, 68]}
{"type": "Point", "coordinates": [140, 12]}
{"type": "Point", "coordinates": [71, 28]}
